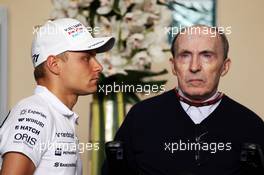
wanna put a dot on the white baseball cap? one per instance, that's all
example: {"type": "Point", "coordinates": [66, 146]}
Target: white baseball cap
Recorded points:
{"type": "Point", "coordinates": [65, 34]}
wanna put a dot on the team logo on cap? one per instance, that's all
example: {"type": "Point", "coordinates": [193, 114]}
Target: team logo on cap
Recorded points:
{"type": "Point", "coordinates": [35, 57]}
{"type": "Point", "coordinates": [75, 30]}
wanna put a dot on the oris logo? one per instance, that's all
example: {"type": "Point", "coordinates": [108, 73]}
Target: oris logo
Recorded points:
{"type": "Point", "coordinates": [26, 138]}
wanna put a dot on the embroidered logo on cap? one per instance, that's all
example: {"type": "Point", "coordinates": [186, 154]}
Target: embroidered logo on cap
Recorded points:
{"type": "Point", "coordinates": [75, 30]}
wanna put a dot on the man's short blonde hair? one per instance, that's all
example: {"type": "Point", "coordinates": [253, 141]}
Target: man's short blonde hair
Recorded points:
{"type": "Point", "coordinates": [40, 71]}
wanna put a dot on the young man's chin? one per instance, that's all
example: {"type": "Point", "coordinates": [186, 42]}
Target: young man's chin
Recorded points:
{"type": "Point", "coordinates": [88, 91]}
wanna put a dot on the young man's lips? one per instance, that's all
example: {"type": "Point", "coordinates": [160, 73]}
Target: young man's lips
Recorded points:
{"type": "Point", "coordinates": [95, 79]}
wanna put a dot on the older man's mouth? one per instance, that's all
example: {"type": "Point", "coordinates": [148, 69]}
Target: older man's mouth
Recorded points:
{"type": "Point", "coordinates": [196, 82]}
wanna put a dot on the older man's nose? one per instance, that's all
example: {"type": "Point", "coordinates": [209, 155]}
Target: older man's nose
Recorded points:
{"type": "Point", "coordinates": [195, 64]}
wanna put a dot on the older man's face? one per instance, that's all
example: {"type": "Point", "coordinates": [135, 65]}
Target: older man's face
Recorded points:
{"type": "Point", "coordinates": [198, 64]}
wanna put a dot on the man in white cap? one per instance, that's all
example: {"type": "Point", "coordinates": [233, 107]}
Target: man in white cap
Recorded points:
{"type": "Point", "coordinates": [38, 137]}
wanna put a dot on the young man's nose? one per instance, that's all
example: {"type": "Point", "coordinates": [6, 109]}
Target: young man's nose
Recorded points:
{"type": "Point", "coordinates": [97, 66]}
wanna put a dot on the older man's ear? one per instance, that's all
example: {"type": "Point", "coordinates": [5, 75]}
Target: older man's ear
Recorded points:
{"type": "Point", "coordinates": [172, 63]}
{"type": "Point", "coordinates": [226, 66]}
